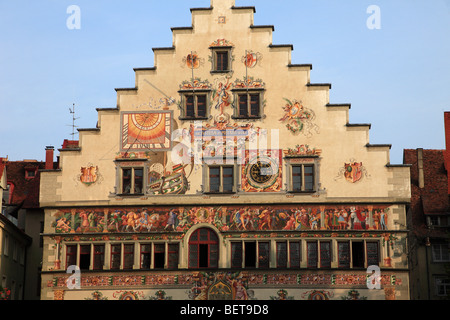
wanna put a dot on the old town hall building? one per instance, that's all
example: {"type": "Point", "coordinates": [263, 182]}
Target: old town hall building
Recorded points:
{"type": "Point", "coordinates": [225, 174]}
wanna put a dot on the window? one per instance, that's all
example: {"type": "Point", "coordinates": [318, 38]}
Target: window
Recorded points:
{"type": "Point", "coordinates": [221, 179]}
{"type": "Point", "coordinates": [318, 254]}
{"type": "Point", "coordinates": [302, 178]}
{"type": "Point", "coordinates": [438, 221]}
{"type": "Point", "coordinates": [71, 256]}
{"type": "Point", "coordinates": [263, 255]}
{"type": "Point", "coordinates": [344, 254]}
{"type": "Point", "coordinates": [221, 59]}
{"type": "Point", "coordinates": [132, 180]}
{"type": "Point", "coordinates": [159, 256]}
{"type": "Point", "coordinates": [99, 256]}
{"type": "Point", "coordinates": [116, 251]}
{"type": "Point", "coordinates": [6, 245]}
{"type": "Point", "coordinates": [442, 285]}
{"type": "Point", "coordinates": [14, 249]}
{"type": "Point", "coordinates": [358, 257]}
{"type": "Point", "coordinates": [203, 249]}
{"type": "Point", "coordinates": [249, 105]}
{"type": "Point", "coordinates": [85, 257]}
{"type": "Point", "coordinates": [195, 105]}
{"type": "Point", "coordinates": [325, 254]}
{"type": "Point", "coordinates": [372, 253]}
{"type": "Point", "coordinates": [312, 254]}
{"type": "Point", "coordinates": [146, 256]}
{"type": "Point", "coordinates": [249, 254]}
{"type": "Point", "coordinates": [30, 173]}
{"type": "Point", "coordinates": [281, 254]}
{"type": "Point", "coordinates": [236, 255]}
{"type": "Point", "coordinates": [173, 256]}
{"type": "Point", "coordinates": [294, 255]}
{"type": "Point", "coordinates": [440, 252]}
{"type": "Point", "coordinates": [128, 256]}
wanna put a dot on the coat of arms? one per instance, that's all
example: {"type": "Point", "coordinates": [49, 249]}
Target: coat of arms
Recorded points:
{"type": "Point", "coordinates": [353, 171]}
{"type": "Point", "coordinates": [251, 59]}
{"type": "Point", "coordinates": [89, 175]}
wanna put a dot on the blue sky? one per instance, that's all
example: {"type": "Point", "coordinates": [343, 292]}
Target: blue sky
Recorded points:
{"type": "Point", "coordinates": [396, 78]}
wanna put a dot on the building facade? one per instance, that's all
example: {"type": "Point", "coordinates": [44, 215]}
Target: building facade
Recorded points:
{"type": "Point", "coordinates": [14, 242]}
{"type": "Point", "coordinates": [22, 206]}
{"type": "Point", "coordinates": [429, 221]}
{"type": "Point", "coordinates": [225, 174]}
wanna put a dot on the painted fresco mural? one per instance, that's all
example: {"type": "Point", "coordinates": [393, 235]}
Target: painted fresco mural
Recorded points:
{"type": "Point", "coordinates": [224, 218]}
{"type": "Point", "coordinates": [235, 286]}
{"type": "Point", "coordinates": [298, 118]}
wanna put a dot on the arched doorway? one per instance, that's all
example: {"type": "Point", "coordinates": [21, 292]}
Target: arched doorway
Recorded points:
{"type": "Point", "coordinates": [204, 249]}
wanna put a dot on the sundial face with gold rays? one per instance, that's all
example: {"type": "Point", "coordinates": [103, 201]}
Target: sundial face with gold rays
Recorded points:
{"type": "Point", "coordinates": [143, 131]}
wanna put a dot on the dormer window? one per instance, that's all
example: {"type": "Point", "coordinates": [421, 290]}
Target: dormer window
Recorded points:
{"type": "Point", "coordinates": [30, 173]}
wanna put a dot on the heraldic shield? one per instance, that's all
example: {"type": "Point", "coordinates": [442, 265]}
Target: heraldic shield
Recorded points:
{"type": "Point", "coordinates": [89, 175]}
{"type": "Point", "coordinates": [353, 171]}
{"type": "Point", "coordinates": [221, 291]}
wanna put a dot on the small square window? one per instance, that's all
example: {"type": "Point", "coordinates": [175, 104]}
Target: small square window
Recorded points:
{"type": "Point", "coordinates": [221, 60]}
{"type": "Point", "coordinates": [221, 179]}
{"type": "Point", "coordinates": [30, 173]}
{"type": "Point", "coordinates": [132, 180]}
{"type": "Point", "coordinates": [248, 105]}
{"type": "Point", "coordinates": [302, 178]}
{"type": "Point", "coordinates": [195, 106]}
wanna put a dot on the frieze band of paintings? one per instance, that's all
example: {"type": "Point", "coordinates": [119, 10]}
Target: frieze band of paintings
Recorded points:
{"type": "Point", "coordinates": [224, 218]}
{"type": "Point", "coordinates": [227, 286]}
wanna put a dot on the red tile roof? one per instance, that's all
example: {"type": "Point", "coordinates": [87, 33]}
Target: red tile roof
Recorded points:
{"type": "Point", "coordinates": [25, 191]}
{"type": "Point", "coordinates": [433, 198]}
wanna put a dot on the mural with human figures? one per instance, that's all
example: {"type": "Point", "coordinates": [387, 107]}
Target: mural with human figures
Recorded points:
{"type": "Point", "coordinates": [229, 286]}
{"type": "Point", "coordinates": [224, 218]}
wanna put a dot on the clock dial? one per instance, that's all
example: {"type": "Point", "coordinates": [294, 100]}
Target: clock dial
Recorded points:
{"type": "Point", "coordinates": [261, 172]}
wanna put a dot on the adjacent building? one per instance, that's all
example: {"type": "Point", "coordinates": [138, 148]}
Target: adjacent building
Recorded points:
{"type": "Point", "coordinates": [14, 242]}
{"type": "Point", "coordinates": [225, 174]}
{"type": "Point", "coordinates": [429, 221]}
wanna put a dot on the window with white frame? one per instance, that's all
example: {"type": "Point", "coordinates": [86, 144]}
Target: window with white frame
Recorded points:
{"type": "Point", "coordinates": [441, 252]}
{"type": "Point", "coordinates": [442, 286]}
